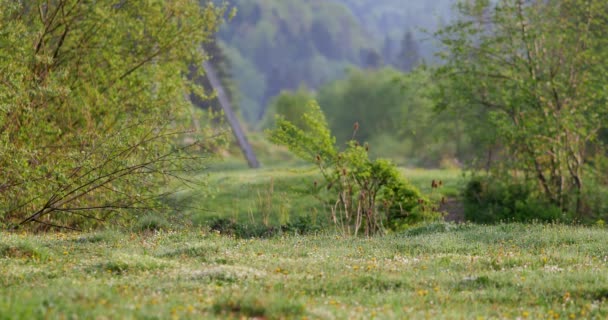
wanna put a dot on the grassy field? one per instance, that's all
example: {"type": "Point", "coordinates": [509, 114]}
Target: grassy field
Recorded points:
{"type": "Point", "coordinates": [433, 271]}
{"type": "Point", "coordinates": [440, 271]}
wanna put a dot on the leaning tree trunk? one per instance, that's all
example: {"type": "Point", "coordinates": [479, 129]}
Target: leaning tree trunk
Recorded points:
{"type": "Point", "coordinates": [241, 138]}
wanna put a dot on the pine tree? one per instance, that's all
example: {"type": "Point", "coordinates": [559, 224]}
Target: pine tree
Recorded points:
{"type": "Point", "coordinates": [409, 56]}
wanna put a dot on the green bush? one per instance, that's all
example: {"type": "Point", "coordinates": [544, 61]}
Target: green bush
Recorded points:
{"type": "Point", "coordinates": [362, 194]}
{"type": "Point", "coordinates": [93, 120]}
{"type": "Point", "coordinates": [290, 105]}
{"type": "Point", "coordinates": [151, 223]}
{"type": "Point", "coordinates": [595, 198]}
{"type": "Point", "coordinates": [490, 200]}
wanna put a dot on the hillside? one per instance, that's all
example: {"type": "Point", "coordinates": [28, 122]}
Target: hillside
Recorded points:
{"type": "Point", "coordinates": [279, 45]}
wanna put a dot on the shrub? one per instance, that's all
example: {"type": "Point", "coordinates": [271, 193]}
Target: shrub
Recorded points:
{"type": "Point", "coordinates": [364, 194]}
{"type": "Point", "coordinates": [151, 223]}
{"type": "Point", "coordinates": [491, 200]}
{"type": "Point", "coordinates": [93, 119]}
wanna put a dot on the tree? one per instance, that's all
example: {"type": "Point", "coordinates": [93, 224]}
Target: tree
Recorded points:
{"type": "Point", "coordinates": [291, 106]}
{"type": "Point", "coordinates": [409, 56]}
{"type": "Point", "coordinates": [536, 72]}
{"type": "Point", "coordinates": [222, 66]}
{"type": "Point", "coordinates": [287, 43]}
{"type": "Point", "coordinates": [93, 107]}
{"type": "Point", "coordinates": [395, 113]}
{"type": "Point", "coordinates": [371, 98]}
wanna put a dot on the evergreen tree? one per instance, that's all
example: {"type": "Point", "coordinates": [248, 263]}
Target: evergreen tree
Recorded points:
{"type": "Point", "coordinates": [409, 56]}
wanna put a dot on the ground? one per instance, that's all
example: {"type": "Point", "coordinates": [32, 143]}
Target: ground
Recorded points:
{"type": "Point", "coordinates": [439, 271]}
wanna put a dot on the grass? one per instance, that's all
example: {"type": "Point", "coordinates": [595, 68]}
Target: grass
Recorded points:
{"type": "Point", "coordinates": [154, 270]}
{"type": "Point", "coordinates": [276, 196]}
{"type": "Point", "coordinates": [438, 271]}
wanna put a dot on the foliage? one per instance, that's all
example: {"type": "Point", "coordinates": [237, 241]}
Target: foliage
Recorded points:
{"type": "Point", "coordinates": [301, 225]}
{"type": "Point", "coordinates": [223, 67]}
{"type": "Point", "coordinates": [151, 223]}
{"type": "Point", "coordinates": [388, 21]}
{"type": "Point", "coordinates": [287, 43]}
{"type": "Point", "coordinates": [92, 107]}
{"type": "Point", "coordinates": [409, 56]}
{"type": "Point", "coordinates": [277, 45]}
{"type": "Point", "coordinates": [289, 105]}
{"type": "Point", "coordinates": [535, 72]}
{"type": "Point", "coordinates": [396, 113]}
{"type": "Point", "coordinates": [488, 200]}
{"type": "Point", "coordinates": [363, 190]}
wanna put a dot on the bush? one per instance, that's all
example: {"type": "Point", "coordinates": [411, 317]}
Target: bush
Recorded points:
{"type": "Point", "coordinates": [301, 225]}
{"type": "Point", "coordinates": [151, 223]}
{"type": "Point", "coordinates": [595, 198]}
{"type": "Point", "coordinates": [290, 105]}
{"type": "Point", "coordinates": [490, 200]}
{"type": "Point", "coordinates": [93, 120]}
{"type": "Point", "coordinates": [359, 190]}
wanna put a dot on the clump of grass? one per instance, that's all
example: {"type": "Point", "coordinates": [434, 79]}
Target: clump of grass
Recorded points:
{"type": "Point", "coordinates": [197, 251]}
{"type": "Point", "coordinates": [227, 226]}
{"type": "Point", "coordinates": [477, 283]}
{"type": "Point", "coordinates": [22, 250]}
{"type": "Point", "coordinates": [299, 225]}
{"type": "Point", "coordinates": [362, 282]}
{"type": "Point", "coordinates": [122, 264]}
{"type": "Point", "coordinates": [103, 236]}
{"type": "Point", "coordinates": [254, 306]}
{"type": "Point", "coordinates": [151, 223]}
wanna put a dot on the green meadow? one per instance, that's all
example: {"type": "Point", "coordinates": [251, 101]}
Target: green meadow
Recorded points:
{"type": "Point", "coordinates": [439, 271]}
{"type": "Point", "coordinates": [163, 270]}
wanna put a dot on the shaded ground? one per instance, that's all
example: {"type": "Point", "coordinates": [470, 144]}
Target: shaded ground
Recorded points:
{"type": "Point", "coordinates": [455, 209]}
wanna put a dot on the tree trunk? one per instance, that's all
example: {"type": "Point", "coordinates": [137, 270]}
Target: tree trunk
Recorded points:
{"type": "Point", "coordinates": [237, 130]}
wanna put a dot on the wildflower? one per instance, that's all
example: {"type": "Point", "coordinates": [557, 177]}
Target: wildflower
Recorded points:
{"type": "Point", "coordinates": [422, 292]}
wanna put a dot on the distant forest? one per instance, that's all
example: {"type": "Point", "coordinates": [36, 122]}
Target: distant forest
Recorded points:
{"type": "Point", "coordinates": [275, 45]}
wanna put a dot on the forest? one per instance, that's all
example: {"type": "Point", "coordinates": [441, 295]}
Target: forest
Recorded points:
{"type": "Point", "coordinates": [303, 159]}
